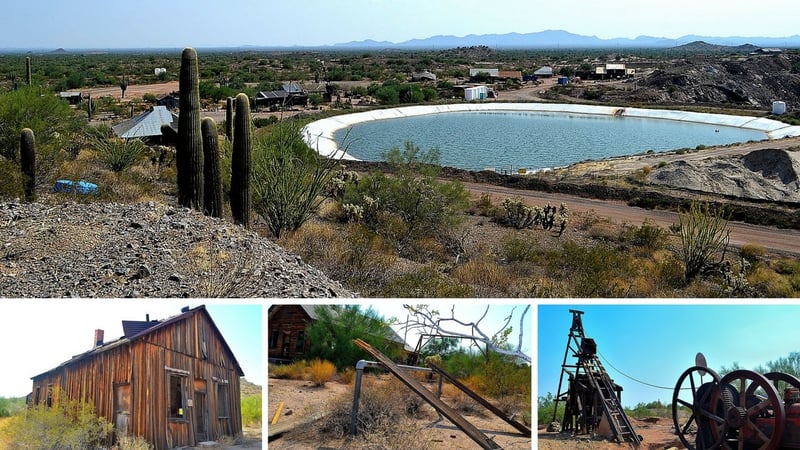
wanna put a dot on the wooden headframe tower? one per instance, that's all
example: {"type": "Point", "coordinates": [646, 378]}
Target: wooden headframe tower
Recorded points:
{"type": "Point", "coordinates": [591, 398]}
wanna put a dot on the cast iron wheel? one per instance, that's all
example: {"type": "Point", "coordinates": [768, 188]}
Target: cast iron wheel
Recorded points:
{"type": "Point", "coordinates": [694, 393]}
{"type": "Point", "coordinates": [781, 381]}
{"type": "Point", "coordinates": [756, 398]}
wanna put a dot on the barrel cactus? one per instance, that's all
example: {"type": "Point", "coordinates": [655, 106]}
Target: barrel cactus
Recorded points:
{"type": "Point", "coordinates": [189, 149]}
{"type": "Point", "coordinates": [240, 162]}
{"type": "Point", "coordinates": [27, 157]}
{"type": "Point", "coordinates": [212, 188]}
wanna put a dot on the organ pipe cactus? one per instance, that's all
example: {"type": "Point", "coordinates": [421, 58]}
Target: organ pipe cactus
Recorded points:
{"type": "Point", "coordinates": [27, 157]}
{"type": "Point", "coordinates": [212, 188]}
{"type": "Point", "coordinates": [240, 162]}
{"type": "Point", "coordinates": [189, 149]}
{"type": "Point", "coordinates": [229, 118]}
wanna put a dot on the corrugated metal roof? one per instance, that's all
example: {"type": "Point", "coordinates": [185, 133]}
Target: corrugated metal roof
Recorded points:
{"type": "Point", "coordinates": [545, 70]}
{"type": "Point", "coordinates": [147, 124]}
{"type": "Point", "coordinates": [272, 94]}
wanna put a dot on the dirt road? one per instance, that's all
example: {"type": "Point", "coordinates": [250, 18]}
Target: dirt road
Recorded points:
{"type": "Point", "coordinates": [773, 239]}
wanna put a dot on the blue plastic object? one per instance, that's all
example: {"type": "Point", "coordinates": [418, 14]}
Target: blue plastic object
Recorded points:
{"type": "Point", "coordinates": [80, 187]}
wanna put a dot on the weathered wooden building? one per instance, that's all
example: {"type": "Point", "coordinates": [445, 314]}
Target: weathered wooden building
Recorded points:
{"type": "Point", "coordinates": [174, 382]}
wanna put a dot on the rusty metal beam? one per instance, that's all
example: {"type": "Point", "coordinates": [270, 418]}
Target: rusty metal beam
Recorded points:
{"type": "Point", "coordinates": [519, 426]}
{"type": "Point", "coordinates": [470, 430]}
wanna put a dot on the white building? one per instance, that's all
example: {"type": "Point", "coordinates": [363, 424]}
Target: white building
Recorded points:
{"type": "Point", "coordinates": [476, 93]}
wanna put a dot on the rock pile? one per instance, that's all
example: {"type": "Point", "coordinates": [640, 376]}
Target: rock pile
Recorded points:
{"type": "Point", "coordinates": [151, 249]}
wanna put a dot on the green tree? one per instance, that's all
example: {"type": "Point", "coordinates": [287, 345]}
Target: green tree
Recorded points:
{"type": "Point", "coordinates": [331, 335]}
{"type": "Point", "coordinates": [52, 121]}
{"type": "Point", "coordinates": [288, 178]}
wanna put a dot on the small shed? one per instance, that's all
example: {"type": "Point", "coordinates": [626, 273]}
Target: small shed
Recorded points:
{"type": "Point", "coordinates": [544, 71]}
{"type": "Point", "coordinates": [476, 93]}
{"type": "Point", "coordinates": [174, 382]}
{"type": "Point", "coordinates": [170, 101]}
{"type": "Point", "coordinates": [73, 98]}
{"type": "Point", "coordinates": [146, 125]}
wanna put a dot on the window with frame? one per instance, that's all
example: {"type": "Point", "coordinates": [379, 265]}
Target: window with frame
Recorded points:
{"type": "Point", "coordinates": [49, 400]}
{"type": "Point", "coordinates": [273, 339]}
{"type": "Point", "coordinates": [301, 342]}
{"type": "Point", "coordinates": [223, 400]}
{"type": "Point", "coordinates": [176, 396]}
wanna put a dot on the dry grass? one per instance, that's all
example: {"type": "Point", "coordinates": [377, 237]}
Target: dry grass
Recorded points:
{"type": "Point", "coordinates": [320, 372]}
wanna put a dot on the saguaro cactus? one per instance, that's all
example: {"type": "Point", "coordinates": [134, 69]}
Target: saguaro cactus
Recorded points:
{"type": "Point", "coordinates": [28, 70]}
{"type": "Point", "coordinates": [189, 149]}
{"type": "Point", "coordinates": [27, 157]}
{"type": "Point", "coordinates": [240, 162]}
{"type": "Point", "coordinates": [212, 189]}
{"type": "Point", "coordinates": [123, 85]}
{"type": "Point", "coordinates": [229, 118]}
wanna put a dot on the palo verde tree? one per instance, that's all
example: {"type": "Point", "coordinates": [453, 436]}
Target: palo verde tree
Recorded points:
{"type": "Point", "coordinates": [331, 335]}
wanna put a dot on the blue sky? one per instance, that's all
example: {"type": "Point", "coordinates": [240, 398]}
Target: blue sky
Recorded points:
{"type": "Point", "coordinates": [38, 335]}
{"type": "Point", "coordinates": [202, 23]}
{"type": "Point", "coordinates": [656, 343]}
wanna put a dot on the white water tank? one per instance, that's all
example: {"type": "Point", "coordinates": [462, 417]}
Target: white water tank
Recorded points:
{"type": "Point", "coordinates": [778, 108]}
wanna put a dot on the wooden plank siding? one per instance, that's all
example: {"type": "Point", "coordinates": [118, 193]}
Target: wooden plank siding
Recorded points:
{"type": "Point", "coordinates": [189, 348]}
{"type": "Point", "coordinates": [288, 323]}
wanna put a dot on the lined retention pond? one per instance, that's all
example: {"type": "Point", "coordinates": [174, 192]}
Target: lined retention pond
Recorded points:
{"type": "Point", "coordinates": [531, 136]}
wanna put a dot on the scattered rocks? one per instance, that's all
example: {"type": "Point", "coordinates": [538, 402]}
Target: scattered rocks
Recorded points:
{"type": "Point", "coordinates": [144, 250]}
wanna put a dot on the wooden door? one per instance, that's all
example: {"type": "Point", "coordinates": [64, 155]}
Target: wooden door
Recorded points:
{"type": "Point", "coordinates": [122, 409]}
{"type": "Point", "coordinates": [200, 416]}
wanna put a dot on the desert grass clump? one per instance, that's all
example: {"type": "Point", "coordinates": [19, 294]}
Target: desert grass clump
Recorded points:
{"type": "Point", "coordinates": [347, 376]}
{"type": "Point", "coordinates": [769, 283]}
{"type": "Point", "coordinates": [320, 372]}
{"type": "Point", "coordinates": [125, 442]}
{"type": "Point", "coordinates": [294, 371]}
{"type": "Point", "coordinates": [251, 410]}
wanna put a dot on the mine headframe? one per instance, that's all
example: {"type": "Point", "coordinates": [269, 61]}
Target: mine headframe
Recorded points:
{"type": "Point", "coordinates": [591, 398]}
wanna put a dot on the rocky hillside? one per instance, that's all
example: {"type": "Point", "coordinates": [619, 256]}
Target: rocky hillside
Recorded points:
{"type": "Point", "coordinates": [747, 81]}
{"type": "Point", "coordinates": [58, 248]}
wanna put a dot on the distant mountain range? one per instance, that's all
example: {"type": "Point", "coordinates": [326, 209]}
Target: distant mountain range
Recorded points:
{"type": "Point", "coordinates": [564, 39]}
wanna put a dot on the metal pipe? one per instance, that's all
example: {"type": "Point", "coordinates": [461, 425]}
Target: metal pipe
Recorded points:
{"type": "Point", "coordinates": [360, 365]}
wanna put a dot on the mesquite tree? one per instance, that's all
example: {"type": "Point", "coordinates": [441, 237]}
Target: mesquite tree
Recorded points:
{"type": "Point", "coordinates": [189, 149]}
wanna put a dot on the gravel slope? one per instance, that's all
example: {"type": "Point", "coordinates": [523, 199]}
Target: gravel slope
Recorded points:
{"type": "Point", "coordinates": [72, 249]}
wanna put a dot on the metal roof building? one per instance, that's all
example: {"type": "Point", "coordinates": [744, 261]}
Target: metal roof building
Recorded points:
{"type": "Point", "coordinates": [147, 124]}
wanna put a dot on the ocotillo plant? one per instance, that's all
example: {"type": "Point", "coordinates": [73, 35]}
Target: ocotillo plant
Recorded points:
{"type": "Point", "coordinates": [27, 157]}
{"type": "Point", "coordinates": [240, 162]}
{"type": "Point", "coordinates": [28, 70]}
{"type": "Point", "coordinates": [212, 189]}
{"type": "Point", "coordinates": [189, 149]}
{"type": "Point", "coordinates": [229, 118]}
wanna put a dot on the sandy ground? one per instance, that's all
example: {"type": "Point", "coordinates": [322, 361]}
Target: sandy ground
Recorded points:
{"type": "Point", "coordinates": [656, 435]}
{"type": "Point", "coordinates": [302, 401]}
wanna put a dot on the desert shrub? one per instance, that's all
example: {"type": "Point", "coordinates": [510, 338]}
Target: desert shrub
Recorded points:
{"type": "Point", "coordinates": [603, 231]}
{"type": "Point", "coordinates": [347, 376]}
{"type": "Point", "coordinates": [288, 178]}
{"type": "Point", "coordinates": [251, 410]}
{"type": "Point", "coordinates": [704, 236]}
{"type": "Point", "coordinates": [483, 274]}
{"type": "Point", "coordinates": [786, 266]}
{"type": "Point", "coordinates": [598, 270]}
{"type": "Point", "coordinates": [132, 443]}
{"type": "Point", "coordinates": [11, 406]}
{"type": "Point", "coordinates": [426, 283]}
{"type": "Point", "coordinates": [320, 372]}
{"type": "Point", "coordinates": [545, 409]}
{"type": "Point", "coordinates": [294, 371]}
{"type": "Point", "coordinates": [518, 214]}
{"type": "Point", "coordinates": [752, 252]}
{"type": "Point", "coordinates": [769, 283]}
{"type": "Point", "coordinates": [483, 206]}
{"type": "Point", "coordinates": [649, 236]}
{"type": "Point", "coordinates": [413, 203]}
{"type": "Point", "coordinates": [10, 179]}
{"type": "Point", "coordinates": [68, 425]}
{"type": "Point", "coordinates": [519, 248]}
{"type": "Point", "coordinates": [119, 154]}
